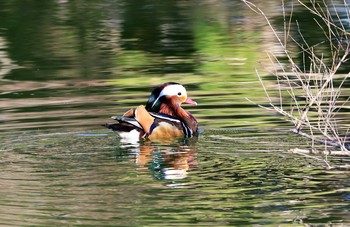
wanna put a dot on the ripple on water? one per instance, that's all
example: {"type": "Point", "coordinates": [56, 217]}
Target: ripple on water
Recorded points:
{"type": "Point", "coordinates": [225, 177]}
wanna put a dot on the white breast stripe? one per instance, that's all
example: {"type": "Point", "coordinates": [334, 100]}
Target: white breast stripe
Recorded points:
{"type": "Point", "coordinates": [188, 131]}
{"type": "Point", "coordinates": [165, 117]}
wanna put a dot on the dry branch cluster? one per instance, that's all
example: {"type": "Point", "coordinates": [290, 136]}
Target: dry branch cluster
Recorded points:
{"type": "Point", "coordinates": [310, 92]}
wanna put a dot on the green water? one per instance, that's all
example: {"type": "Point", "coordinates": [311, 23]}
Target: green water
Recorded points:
{"type": "Point", "coordinates": [67, 66]}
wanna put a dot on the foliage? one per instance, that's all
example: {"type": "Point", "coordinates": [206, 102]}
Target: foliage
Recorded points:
{"type": "Point", "coordinates": [310, 93]}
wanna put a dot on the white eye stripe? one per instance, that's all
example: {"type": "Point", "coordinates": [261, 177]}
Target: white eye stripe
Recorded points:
{"type": "Point", "coordinates": [172, 90]}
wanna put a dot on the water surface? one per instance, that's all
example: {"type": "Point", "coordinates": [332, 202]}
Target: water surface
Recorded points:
{"type": "Point", "coordinates": [67, 66]}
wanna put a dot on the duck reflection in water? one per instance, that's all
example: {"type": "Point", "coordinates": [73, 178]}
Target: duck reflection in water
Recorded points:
{"type": "Point", "coordinates": [167, 162]}
{"type": "Point", "coordinates": [163, 121]}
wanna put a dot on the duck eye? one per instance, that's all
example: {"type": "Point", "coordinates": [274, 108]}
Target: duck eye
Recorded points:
{"type": "Point", "coordinates": [179, 94]}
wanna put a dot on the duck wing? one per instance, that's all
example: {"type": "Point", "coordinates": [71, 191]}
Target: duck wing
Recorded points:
{"type": "Point", "coordinates": [128, 129]}
{"type": "Point", "coordinates": [129, 121]}
{"type": "Point", "coordinates": [148, 124]}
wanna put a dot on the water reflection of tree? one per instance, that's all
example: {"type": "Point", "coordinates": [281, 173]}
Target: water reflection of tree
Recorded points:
{"type": "Point", "coordinates": [160, 28]}
{"type": "Point", "coordinates": [53, 38]}
{"type": "Point", "coordinates": [305, 30]}
{"type": "Point", "coordinates": [6, 64]}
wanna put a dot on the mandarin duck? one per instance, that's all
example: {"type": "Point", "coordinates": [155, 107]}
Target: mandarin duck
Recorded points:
{"type": "Point", "coordinates": [161, 118]}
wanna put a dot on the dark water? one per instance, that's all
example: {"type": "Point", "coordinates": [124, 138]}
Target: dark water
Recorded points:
{"type": "Point", "coordinates": [67, 66]}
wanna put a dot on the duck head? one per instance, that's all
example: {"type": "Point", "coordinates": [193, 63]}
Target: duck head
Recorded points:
{"type": "Point", "coordinates": [168, 94]}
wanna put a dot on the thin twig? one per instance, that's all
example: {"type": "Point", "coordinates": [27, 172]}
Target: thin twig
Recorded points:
{"type": "Point", "coordinates": [311, 90]}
